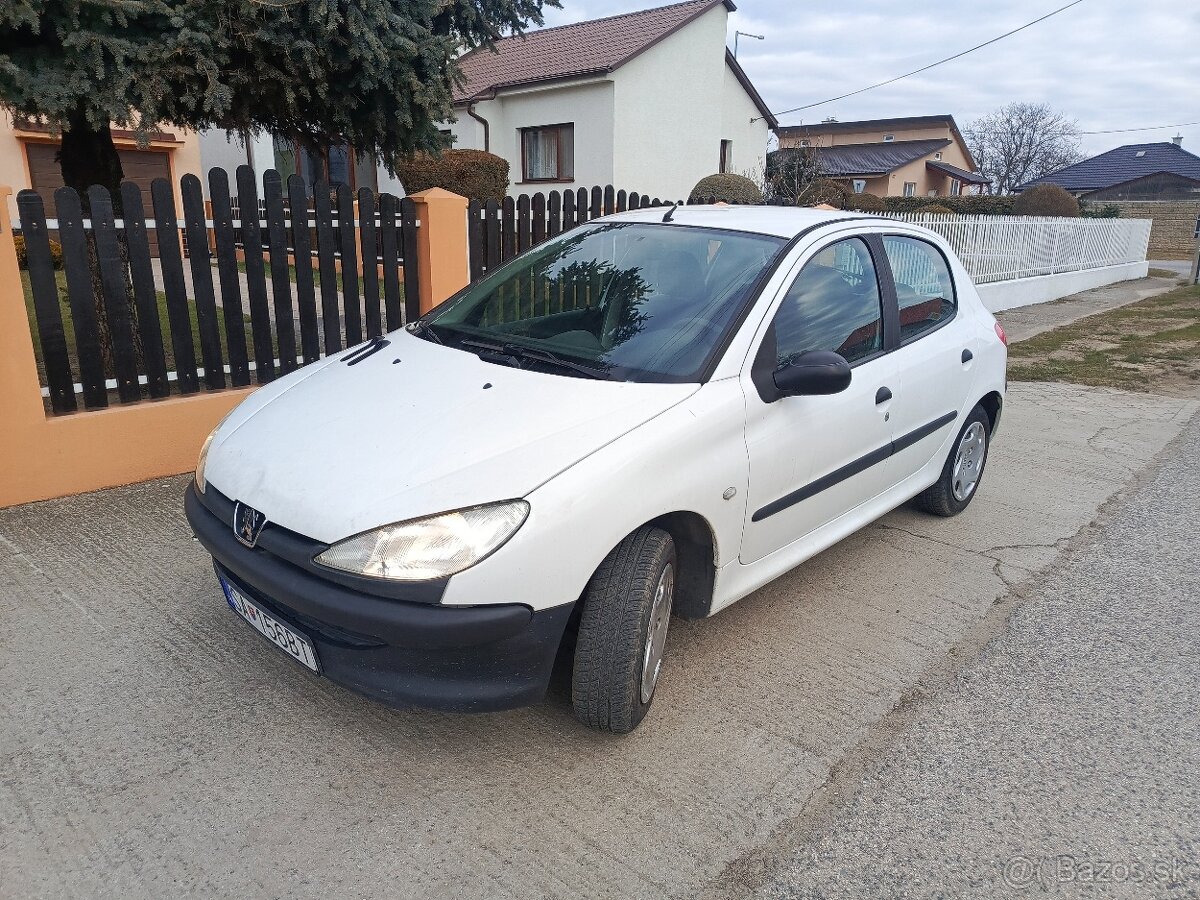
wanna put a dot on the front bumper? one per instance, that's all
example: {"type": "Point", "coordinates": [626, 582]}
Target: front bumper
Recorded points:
{"type": "Point", "coordinates": [402, 652]}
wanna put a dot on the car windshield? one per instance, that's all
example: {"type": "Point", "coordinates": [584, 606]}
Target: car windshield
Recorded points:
{"type": "Point", "coordinates": [625, 301]}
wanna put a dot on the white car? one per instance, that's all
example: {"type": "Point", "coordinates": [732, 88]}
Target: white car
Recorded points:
{"type": "Point", "coordinates": [656, 412]}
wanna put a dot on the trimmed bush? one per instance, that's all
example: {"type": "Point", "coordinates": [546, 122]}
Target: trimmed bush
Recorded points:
{"type": "Point", "coordinates": [727, 188]}
{"type": "Point", "coordinates": [1046, 200]}
{"type": "Point", "coordinates": [936, 209]}
{"type": "Point", "coordinates": [824, 190]}
{"type": "Point", "coordinates": [865, 203]}
{"type": "Point", "coordinates": [23, 261]}
{"type": "Point", "coordinates": [472, 173]}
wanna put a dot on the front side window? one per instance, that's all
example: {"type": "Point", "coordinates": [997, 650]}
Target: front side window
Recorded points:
{"type": "Point", "coordinates": [910, 188]}
{"type": "Point", "coordinates": [955, 188]}
{"type": "Point", "coordinates": [548, 153]}
{"type": "Point", "coordinates": [860, 185]}
{"type": "Point", "coordinates": [834, 304]}
{"type": "Point", "coordinates": [623, 301]}
{"type": "Point", "coordinates": [924, 289]}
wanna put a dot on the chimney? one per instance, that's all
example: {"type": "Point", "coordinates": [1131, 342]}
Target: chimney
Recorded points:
{"type": "Point", "coordinates": [1177, 140]}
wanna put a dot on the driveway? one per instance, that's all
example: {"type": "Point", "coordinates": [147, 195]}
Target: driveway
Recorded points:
{"type": "Point", "coordinates": [152, 745]}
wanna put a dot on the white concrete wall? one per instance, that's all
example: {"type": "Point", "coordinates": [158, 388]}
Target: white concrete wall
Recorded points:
{"type": "Point", "coordinates": [586, 105]}
{"type": "Point", "coordinates": [669, 110]}
{"type": "Point", "coordinates": [1001, 295]}
{"type": "Point", "coordinates": [749, 138]}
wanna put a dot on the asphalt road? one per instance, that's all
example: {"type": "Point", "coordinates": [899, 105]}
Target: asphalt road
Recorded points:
{"type": "Point", "coordinates": [151, 745]}
{"type": "Point", "coordinates": [1063, 760]}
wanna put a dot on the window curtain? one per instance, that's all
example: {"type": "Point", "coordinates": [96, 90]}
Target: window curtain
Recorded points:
{"type": "Point", "coordinates": [541, 154]}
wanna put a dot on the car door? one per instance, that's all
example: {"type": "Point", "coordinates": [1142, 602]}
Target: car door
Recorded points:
{"type": "Point", "coordinates": [935, 357]}
{"type": "Point", "coordinates": [813, 458]}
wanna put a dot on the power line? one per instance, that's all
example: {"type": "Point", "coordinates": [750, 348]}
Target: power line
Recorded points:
{"type": "Point", "coordinates": [931, 65]}
{"type": "Point", "coordinates": [1147, 128]}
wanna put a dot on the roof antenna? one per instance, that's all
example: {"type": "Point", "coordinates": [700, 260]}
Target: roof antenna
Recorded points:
{"type": "Point", "coordinates": [670, 212]}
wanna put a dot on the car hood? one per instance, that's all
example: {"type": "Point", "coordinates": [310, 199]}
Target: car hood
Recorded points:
{"type": "Point", "coordinates": [340, 447]}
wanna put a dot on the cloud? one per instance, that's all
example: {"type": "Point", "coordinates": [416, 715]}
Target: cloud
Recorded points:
{"type": "Point", "coordinates": [1106, 63]}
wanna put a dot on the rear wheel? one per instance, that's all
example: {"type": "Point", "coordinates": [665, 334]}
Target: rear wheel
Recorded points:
{"type": "Point", "coordinates": [963, 471]}
{"type": "Point", "coordinates": [623, 631]}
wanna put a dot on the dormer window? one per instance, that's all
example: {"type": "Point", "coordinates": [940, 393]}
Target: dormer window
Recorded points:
{"type": "Point", "coordinates": [938, 155]}
{"type": "Point", "coordinates": [888, 138]}
{"type": "Point", "coordinates": [1140, 154]}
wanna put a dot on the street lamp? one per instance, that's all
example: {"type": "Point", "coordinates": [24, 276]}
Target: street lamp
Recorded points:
{"type": "Point", "coordinates": [736, 34]}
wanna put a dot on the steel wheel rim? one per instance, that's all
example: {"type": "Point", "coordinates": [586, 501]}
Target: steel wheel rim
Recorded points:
{"type": "Point", "coordinates": [968, 461]}
{"type": "Point", "coordinates": [656, 631]}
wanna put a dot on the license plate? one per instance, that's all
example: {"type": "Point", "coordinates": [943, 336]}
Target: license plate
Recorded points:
{"type": "Point", "coordinates": [295, 645]}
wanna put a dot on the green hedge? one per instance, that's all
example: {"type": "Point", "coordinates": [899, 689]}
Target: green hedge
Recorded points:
{"type": "Point", "coordinates": [472, 173]}
{"type": "Point", "coordinates": [967, 204]}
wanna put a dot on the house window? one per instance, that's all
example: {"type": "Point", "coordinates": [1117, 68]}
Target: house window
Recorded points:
{"type": "Point", "coordinates": [938, 155]}
{"type": "Point", "coordinates": [335, 164]}
{"type": "Point", "coordinates": [933, 193]}
{"type": "Point", "coordinates": [447, 137]}
{"type": "Point", "coordinates": [548, 153]}
{"type": "Point", "coordinates": [804, 143]}
{"type": "Point", "coordinates": [955, 188]}
{"type": "Point", "coordinates": [888, 138]}
{"type": "Point", "coordinates": [726, 157]}
{"type": "Point", "coordinates": [910, 188]}
{"type": "Point", "coordinates": [860, 185]}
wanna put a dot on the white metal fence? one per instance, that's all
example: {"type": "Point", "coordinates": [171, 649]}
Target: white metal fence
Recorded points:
{"type": "Point", "coordinates": [1001, 248]}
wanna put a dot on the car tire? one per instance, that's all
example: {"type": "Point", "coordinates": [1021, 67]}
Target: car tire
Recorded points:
{"type": "Point", "coordinates": [622, 630]}
{"type": "Point", "coordinates": [954, 490]}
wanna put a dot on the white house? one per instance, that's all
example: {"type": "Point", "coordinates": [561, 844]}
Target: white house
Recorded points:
{"type": "Point", "coordinates": [649, 101]}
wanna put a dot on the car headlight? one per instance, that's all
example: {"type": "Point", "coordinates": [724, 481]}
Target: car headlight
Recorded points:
{"type": "Point", "coordinates": [201, 481]}
{"type": "Point", "coordinates": [432, 547]}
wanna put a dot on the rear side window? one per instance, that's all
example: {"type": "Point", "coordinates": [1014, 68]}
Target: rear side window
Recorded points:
{"type": "Point", "coordinates": [924, 289]}
{"type": "Point", "coordinates": [834, 304]}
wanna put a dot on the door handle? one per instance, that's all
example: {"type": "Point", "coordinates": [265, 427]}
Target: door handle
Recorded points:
{"type": "Point", "coordinates": [967, 356]}
{"type": "Point", "coordinates": [883, 395]}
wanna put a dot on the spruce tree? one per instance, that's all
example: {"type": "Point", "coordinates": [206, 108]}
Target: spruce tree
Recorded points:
{"type": "Point", "coordinates": [376, 74]}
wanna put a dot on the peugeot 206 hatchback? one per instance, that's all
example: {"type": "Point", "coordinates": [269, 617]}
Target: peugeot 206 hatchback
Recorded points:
{"type": "Point", "coordinates": [649, 414]}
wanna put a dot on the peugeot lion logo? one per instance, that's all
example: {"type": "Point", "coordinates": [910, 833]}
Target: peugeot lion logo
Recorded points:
{"type": "Point", "coordinates": [247, 523]}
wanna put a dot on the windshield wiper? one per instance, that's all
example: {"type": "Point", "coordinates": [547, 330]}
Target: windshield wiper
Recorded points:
{"type": "Point", "coordinates": [424, 329]}
{"type": "Point", "coordinates": [517, 352]}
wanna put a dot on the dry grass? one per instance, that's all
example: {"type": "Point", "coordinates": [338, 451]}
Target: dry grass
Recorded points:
{"type": "Point", "coordinates": [1151, 345]}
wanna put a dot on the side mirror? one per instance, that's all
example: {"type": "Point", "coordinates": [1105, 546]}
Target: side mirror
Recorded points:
{"type": "Point", "coordinates": [814, 373]}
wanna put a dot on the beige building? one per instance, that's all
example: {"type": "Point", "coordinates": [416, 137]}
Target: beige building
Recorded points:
{"type": "Point", "coordinates": [917, 156]}
{"type": "Point", "coordinates": [28, 151]}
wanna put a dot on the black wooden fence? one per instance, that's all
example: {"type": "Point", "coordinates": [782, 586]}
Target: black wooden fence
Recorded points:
{"type": "Point", "coordinates": [498, 231]}
{"type": "Point", "coordinates": [121, 319]}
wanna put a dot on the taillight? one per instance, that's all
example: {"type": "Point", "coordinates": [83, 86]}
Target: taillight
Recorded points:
{"type": "Point", "coordinates": [1000, 334]}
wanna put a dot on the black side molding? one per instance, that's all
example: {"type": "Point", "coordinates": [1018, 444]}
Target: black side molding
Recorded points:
{"type": "Point", "coordinates": [837, 476]}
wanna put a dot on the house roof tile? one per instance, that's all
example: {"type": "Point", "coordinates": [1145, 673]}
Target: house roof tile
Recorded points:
{"type": "Point", "coordinates": [569, 51]}
{"type": "Point", "coordinates": [1121, 165]}
{"type": "Point", "coordinates": [874, 158]}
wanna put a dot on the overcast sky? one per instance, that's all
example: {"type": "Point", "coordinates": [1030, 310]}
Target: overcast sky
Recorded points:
{"type": "Point", "coordinates": [1106, 63]}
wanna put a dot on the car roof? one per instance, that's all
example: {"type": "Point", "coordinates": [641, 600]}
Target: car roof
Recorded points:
{"type": "Point", "coordinates": [783, 221]}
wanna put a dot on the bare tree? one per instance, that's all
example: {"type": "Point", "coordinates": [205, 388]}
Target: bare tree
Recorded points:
{"type": "Point", "coordinates": [1022, 141]}
{"type": "Point", "coordinates": [789, 174]}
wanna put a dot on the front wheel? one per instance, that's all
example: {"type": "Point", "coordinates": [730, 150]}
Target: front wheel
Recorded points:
{"type": "Point", "coordinates": [963, 471]}
{"type": "Point", "coordinates": [623, 630]}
